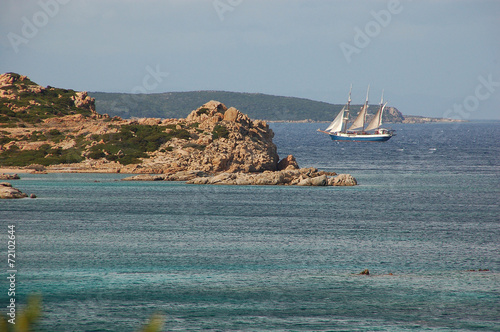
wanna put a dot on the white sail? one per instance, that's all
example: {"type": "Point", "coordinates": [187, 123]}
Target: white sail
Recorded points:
{"type": "Point", "coordinates": [377, 119]}
{"type": "Point", "coordinates": [337, 123]}
{"type": "Point", "coordinates": [360, 119]}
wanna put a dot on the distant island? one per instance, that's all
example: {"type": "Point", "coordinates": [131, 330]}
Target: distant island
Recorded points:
{"type": "Point", "coordinates": [256, 105]}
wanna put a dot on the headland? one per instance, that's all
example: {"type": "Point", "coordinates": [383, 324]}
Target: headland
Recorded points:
{"type": "Point", "coordinates": [47, 129]}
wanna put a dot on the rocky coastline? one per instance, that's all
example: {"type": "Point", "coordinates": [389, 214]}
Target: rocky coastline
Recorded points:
{"type": "Point", "coordinates": [46, 129]}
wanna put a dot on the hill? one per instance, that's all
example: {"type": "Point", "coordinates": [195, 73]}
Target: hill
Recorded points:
{"type": "Point", "coordinates": [25, 102]}
{"type": "Point", "coordinates": [256, 105]}
{"type": "Point", "coordinates": [59, 128]}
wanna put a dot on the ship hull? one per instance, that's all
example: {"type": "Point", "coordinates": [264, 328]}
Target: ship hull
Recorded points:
{"type": "Point", "coordinates": [361, 137]}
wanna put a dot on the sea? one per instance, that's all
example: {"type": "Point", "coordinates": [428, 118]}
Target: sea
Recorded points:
{"type": "Point", "coordinates": [107, 255]}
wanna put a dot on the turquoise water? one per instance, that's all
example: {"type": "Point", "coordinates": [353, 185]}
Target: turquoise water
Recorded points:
{"type": "Point", "coordinates": [106, 255]}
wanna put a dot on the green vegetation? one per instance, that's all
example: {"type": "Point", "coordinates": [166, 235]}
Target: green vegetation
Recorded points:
{"type": "Point", "coordinates": [200, 147]}
{"type": "Point", "coordinates": [127, 146]}
{"type": "Point", "coordinates": [34, 107]}
{"type": "Point", "coordinates": [202, 110]}
{"type": "Point", "coordinates": [45, 155]}
{"type": "Point", "coordinates": [132, 142]}
{"type": "Point", "coordinates": [220, 131]}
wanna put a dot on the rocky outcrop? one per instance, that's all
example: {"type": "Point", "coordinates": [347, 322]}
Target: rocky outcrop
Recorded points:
{"type": "Point", "coordinates": [300, 177]}
{"type": "Point", "coordinates": [235, 143]}
{"type": "Point", "coordinates": [83, 100]}
{"type": "Point", "coordinates": [4, 176]}
{"type": "Point", "coordinates": [7, 191]}
{"type": "Point", "coordinates": [214, 139]}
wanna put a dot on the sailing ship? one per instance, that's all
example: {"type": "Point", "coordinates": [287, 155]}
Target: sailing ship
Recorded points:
{"type": "Point", "coordinates": [357, 131]}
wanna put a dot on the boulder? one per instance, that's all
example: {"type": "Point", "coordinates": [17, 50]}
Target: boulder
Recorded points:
{"type": "Point", "coordinates": [288, 163]}
{"type": "Point", "coordinates": [343, 180]}
{"type": "Point", "coordinates": [321, 180]}
{"type": "Point", "coordinates": [231, 114]}
{"type": "Point", "coordinates": [6, 191]}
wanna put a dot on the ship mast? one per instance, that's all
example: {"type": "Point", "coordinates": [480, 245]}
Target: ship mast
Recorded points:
{"type": "Point", "coordinates": [346, 114]}
{"type": "Point", "coordinates": [365, 108]}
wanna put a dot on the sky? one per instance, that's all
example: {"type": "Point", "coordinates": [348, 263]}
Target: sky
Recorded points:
{"type": "Point", "coordinates": [435, 58]}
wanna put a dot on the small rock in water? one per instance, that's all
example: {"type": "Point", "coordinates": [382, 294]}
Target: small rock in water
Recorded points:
{"type": "Point", "coordinates": [32, 196]}
{"type": "Point", "coordinates": [366, 272]}
{"type": "Point", "coordinates": [4, 176]}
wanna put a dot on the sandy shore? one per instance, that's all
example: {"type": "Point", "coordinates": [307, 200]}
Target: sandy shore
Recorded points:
{"type": "Point", "coordinates": [15, 170]}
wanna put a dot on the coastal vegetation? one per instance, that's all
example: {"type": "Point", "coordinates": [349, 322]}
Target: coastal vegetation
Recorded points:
{"type": "Point", "coordinates": [133, 141]}
{"type": "Point", "coordinates": [34, 103]}
{"type": "Point", "coordinates": [48, 127]}
{"type": "Point", "coordinates": [45, 155]}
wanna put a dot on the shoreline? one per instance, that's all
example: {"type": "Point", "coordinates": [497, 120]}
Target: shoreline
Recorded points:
{"type": "Point", "coordinates": [22, 170]}
{"type": "Point", "coordinates": [290, 176]}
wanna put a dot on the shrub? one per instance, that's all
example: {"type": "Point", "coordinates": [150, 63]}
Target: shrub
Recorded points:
{"type": "Point", "coordinates": [220, 131]}
{"type": "Point", "coordinates": [5, 140]}
{"type": "Point", "coordinates": [200, 147]}
{"type": "Point", "coordinates": [54, 132]}
{"type": "Point", "coordinates": [96, 154]}
{"type": "Point", "coordinates": [180, 133]}
{"type": "Point", "coordinates": [202, 110]}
